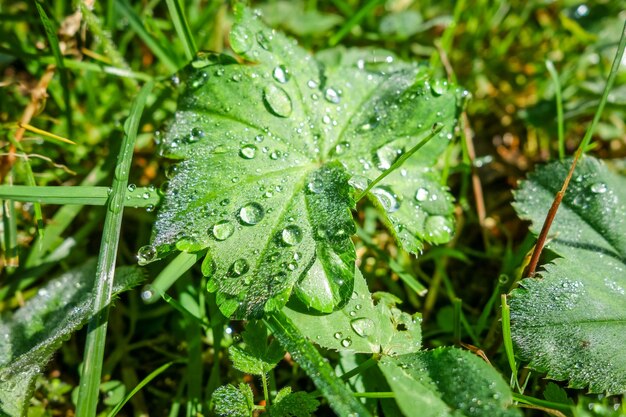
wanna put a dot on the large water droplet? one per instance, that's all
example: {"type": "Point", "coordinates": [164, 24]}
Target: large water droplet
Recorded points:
{"type": "Point", "coordinates": [347, 342]}
{"type": "Point", "coordinates": [281, 74]}
{"type": "Point", "coordinates": [223, 230]}
{"type": "Point", "coordinates": [291, 235]}
{"type": "Point", "coordinates": [385, 157]}
{"type": "Point", "coordinates": [331, 95]}
{"type": "Point", "coordinates": [264, 40]}
{"type": "Point", "coordinates": [359, 182]}
{"type": "Point", "coordinates": [387, 198]}
{"type": "Point", "coordinates": [146, 254]}
{"type": "Point", "coordinates": [277, 101]}
{"type": "Point", "coordinates": [149, 294]}
{"type": "Point", "coordinates": [132, 187]}
{"type": "Point", "coordinates": [438, 87]}
{"type": "Point", "coordinates": [421, 194]}
{"type": "Point", "coordinates": [248, 151]}
{"type": "Point", "coordinates": [599, 188]}
{"type": "Point", "coordinates": [240, 39]}
{"type": "Point", "coordinates": [363, 326]}
{"type": "Point", "coordinates": [251, 214]}
{"type": "Point", "coordinates": [238, 268]}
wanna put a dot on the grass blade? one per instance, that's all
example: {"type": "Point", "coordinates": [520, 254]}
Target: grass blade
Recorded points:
{"type": "Point", "coordinates": [94, 347]}
{"type": "Point", "coordinates": [182, 27]}
{"type": "Point", "coordinates": [53, 40]}
{"type": "Point", "coordinates": [83, 195]}
{"type": "Point", "coordinates": [139, 386]}
{"type": "Point", "coordinates": [559, 106]}
{"type": "Point", "coordinates": [135, 22]}
{"type": "Point", "coordinates": [353, 21]}
{"type": "Point", "coordinates": [340, 398]}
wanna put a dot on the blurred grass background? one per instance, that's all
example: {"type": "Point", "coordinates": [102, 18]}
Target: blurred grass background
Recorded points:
{"type": "Point", "coordinates": [497, 50]}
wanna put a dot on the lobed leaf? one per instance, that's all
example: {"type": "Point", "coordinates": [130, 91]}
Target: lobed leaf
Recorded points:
{"type": "Point", "coordinates": [293, 404]}
{"type": "Point", "coordinates": [257, 357]}
{"type": "Point", "coordinates": [231, 401]}
{"type": "Point", "coordinates": [571, 323]}
{"type": "Point", "coordinates": [34, 332]}
{"type": "Point", "coordinates": [267, 151]}
{"type": "Point", "coordinates": [447, 382]}
{"type": "Point", "coordinates": [360, 326]}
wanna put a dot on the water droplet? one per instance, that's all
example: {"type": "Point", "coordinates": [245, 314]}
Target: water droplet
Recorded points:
{"type": "Point", "coordinates": [315, 186]}
{"type": "Point", "coordinates": [148, 294]}
{"type": "Point", "coordinates": [385, 157]}
{"type": "Point", "coordinates": [150, 208]}
{"type": "Point", "coordinates": [196, 135]}
{"type": "Point", "coordinates": [338, 335]}
{"type": "Point", "coordinates": [369, 125]}
{"type": "Point", "coordinates": [248, 151]}
{"type": "Point", "coordinates": [346, 342]}
{"type": "Point", "coordinates": [240, 39]}
{"type": "Point", "coordinates": [223, 230]}
{"type": "Point", "coordinates": [359, 182]}
{"type": "Point", "coordinates": [291, 235]}
{"type": "Point", "coordinates": [331, 95]}
{"type": "Point", "coordinates": [387, 198]}
{"type": "Point", "coordinates": [251, 214]}
{"type": "Point", "coordinates": [277, 101]}
{"type": "Point", "coordinates": [341, 147]}
{"type": "Point", "coordinates": [238, 268]}
{"type": "Point", "coordinates": [438, 228]}
{"type": "Point", "coordinates": [132, 187]}
{"type": "Point", "coordinates": [264, 40]}
{"type": "Point", "coordinates": [363, 326]}
{"type": "Point", "coordinates": [421, 194]}
{"type": "Point", "coordinates": [438, 87]}
{"type": "Point", "coordinates": [281, 74]}
{"type": "Point", "coordinates": [236, 77]}
{"type": "Point", "coordinates": [146, 254]}
{"type": "Point", "coordinates": [599, 188]}
{"type": "Point", "coordinates": [312, 84]}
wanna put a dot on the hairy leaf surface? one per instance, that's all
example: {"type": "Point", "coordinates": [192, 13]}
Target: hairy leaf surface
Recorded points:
{"type": "Point", "coordinates": [34, 332]}
{"type": "Point", "coordinates": [268, 151]}
{"type": "Point", "coordinates": [447, 382]}
{"type": "Point", "coordinates": [571, 323]}
{"type": "Point", "coordinates": [360, 326]}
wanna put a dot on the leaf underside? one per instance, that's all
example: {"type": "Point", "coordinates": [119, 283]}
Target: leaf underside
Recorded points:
{"type": "Point", "coordinates": [571, 323]}
{"type": "Point", "coordinates": [447, 382]}
{"type": "Point", "coordinates": [268, 151]}
{"type": "Point", "coordinates": [34, 332]}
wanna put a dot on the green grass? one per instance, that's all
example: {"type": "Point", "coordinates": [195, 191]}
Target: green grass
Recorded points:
{"type": "Point", "coordinates": [536, 74]}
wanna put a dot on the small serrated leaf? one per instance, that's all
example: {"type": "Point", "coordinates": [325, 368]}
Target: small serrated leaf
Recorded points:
{"type": "Point", "coordinates": [257, 357]}
{"type": "Point", "coordinates": [447, 382]}
{"type": "Point", "coordinates": [233, 402]}
{"type": "Point", "coordinates": [297, 404]}
{"type": "Point", "coordinates": [360, 326]}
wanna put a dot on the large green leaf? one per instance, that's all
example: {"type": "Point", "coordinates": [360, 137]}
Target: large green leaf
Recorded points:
{"type": "Point", "coordinates": [34, 332]}
{"type": "Point", "coordinates": [571, 323]}
{"type": "Point", "coordinates": [447, 382]}
{"type": "Point", "coordinates": [267, 150]}
{"type": "Point", "coordinates": [360, 326]}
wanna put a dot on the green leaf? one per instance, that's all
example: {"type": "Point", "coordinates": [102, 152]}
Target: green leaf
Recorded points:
{"type": "Point", "coordinates": [267, 151]}
{"type": "Point", "coordinates": [293, 16]}
{"type": "Point", "coordinates": [34, 332]}
{"type": "Point", "coordinates": [257, 357]}
{"type": "Point", "coordinates": [233, 402]}
{"type": "Point", "coordinates": [360, 326]}
{"type": "Point", "coordinates": [571, 323]}
{"type": "Point", "coordinates": [297, 404]}
{"type": "Point", "coordinates": [447, 382]}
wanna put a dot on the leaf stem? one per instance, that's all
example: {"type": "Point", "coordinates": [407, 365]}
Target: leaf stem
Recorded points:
{"type": "Point", "coordinates": [436, 129]}
{"type": "Point", "coordinates": [541, 240]}
{"type": "Point", "coordinates": [96, 333]}
{"type": "Point", "coordinates": [361, 368]}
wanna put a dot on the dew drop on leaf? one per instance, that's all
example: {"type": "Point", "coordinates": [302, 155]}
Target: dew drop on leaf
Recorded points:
{"type": "Point", "coordinates": [281, 74]}
{"type": "Point", "coordinates": [132, 187]}
{"type": "Point", "coordinates": [346, 342]}
{"type": "Point", "coordinates": [331, 95]}
{"type": "Point", "coordinates": [264, 40]}
{"type": "Point", "coordinates": [146, 254]}
{"type": "Point", "coordinates": [341, 147]}
{"type": "Point", "coordinates": [338, 335]}
{"type": "Point", "coordinates": [421, 194]}
{"type": "Point", "coordinates": [240, 39]}
{"type": "Point", "coordinates": [599, 188]}
{"type": "Point", "coordinates": [277, 101]}
{"type": "Point", "coordinates": [251, 214]}
{"type": "Point", "coordinates": [363, 326]}
{"type": "Point", "coordinates": [291, 235]}
{"type": "Point", "coordinates": [238, 268]}
{"type": "Point", "coordinates": [223, 230]}
{"type": "Point", "coordinates": [438, 228]}
{"type": "Point", "coordinates": [439, 87]}
{"type": "Point", "coordinates": [248, 151]}
{"type": "Point", "coordinates": [369, 125]}
{"type": "Point", "coordinates": [387, 198]}
{"type": "Point", "coordinates": [148, 294]}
